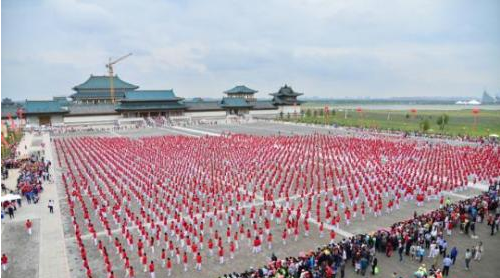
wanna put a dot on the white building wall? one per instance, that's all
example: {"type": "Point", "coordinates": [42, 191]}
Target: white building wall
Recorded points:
{"type": "Point", "coordinates": [32, 120]}
{"type": "Point", "coordinates": [289, 109]}
{"type": "Point", "coordinates": [264, 112]}
{"type": "Point", "coordinates": [207, 114]}
{"type": "Point", "coordinates": [56, 119]}
{"type": "Point", "coordinates": [86, 119]}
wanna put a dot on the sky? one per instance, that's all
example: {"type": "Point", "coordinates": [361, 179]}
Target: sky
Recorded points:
{"type": "Point", "coordinates": [323, 48]}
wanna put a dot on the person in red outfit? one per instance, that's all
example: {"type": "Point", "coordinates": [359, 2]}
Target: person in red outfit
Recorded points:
{"type": "Point", "coordinates": [5, 262]}
{"type": "Point", "coordinates": [152, 269]}
{"type": "Point", "coordinates": [256, 245]}
{"type": "Point", "coordinates": [169, 267]}
{"type": "Point", "coordinates": [198, 261]}
{"type": "Point", "coordinates": [28, 224]}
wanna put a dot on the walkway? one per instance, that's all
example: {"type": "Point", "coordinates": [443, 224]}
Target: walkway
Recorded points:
{"type": "Point", "coordinates": [52, 262]}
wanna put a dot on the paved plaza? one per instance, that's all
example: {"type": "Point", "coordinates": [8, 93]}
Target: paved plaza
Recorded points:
{"type": "Point", "coordinates": [52, 250]}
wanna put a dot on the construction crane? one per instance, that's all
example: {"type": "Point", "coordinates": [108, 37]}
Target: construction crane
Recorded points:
{"type": "Point", "coordinates": [109, 66]}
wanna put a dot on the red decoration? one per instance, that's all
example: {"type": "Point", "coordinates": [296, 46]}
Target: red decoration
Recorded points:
{"type": "Point", "coordinates": [475, 111]}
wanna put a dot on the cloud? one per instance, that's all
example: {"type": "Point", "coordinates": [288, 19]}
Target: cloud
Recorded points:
{"type": "Point", "coordinates": [321, 47]}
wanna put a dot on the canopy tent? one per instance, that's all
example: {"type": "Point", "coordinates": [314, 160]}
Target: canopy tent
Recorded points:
{"type": "Point", "coordinates": [10, 197]}
{"type": "Point", "coordinates": [494, 135]}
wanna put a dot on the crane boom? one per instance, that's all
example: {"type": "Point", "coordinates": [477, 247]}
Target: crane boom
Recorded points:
{"type": "Point", "coordinates": [110, 71]}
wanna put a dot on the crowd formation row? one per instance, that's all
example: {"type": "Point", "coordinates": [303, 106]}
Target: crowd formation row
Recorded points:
{"type": "Point", "coordinates": [178, 200]}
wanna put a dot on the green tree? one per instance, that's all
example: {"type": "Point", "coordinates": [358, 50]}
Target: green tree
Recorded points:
{"type": "Point", "coordinates": [302, 112]}
{"type": "Point", "coordinates": [442, 121]}
{"type": "Point", "coordinates": [281, 115]}
{"type": "Point", "coordinates": [321, 113]}
{"type": "Point", "coordinates": [332, 113]}
{"type": "Point", "coordinates": [288, 116]}
{"type": "Point", "coordinates": [308, 113]}
{"type": "Point", "coordinates": [407, 116]}
{"type": "Point", "coordinates": [315, 113]}
{"type": "Point", "coordinates": [425, 125]}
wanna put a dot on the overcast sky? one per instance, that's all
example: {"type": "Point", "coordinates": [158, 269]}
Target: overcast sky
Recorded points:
{"type": "Point", "coordinates": [201, 48]}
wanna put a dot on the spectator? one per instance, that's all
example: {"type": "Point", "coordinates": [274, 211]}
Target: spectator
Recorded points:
{"type": "Point", "coordinates": [468, 257]}
{"type": "Point", "coordinates": [454, 254]}
{"type": "Point", "coordinates": [51, 206]}
{"type": "Point", "coordinates": [447, 262]}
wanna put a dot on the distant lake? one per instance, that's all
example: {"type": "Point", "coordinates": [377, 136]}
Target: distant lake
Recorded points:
{"type": "Point", "coordinates": [407, 106]}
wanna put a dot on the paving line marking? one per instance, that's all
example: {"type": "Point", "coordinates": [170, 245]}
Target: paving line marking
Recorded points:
{"type": "Point", "coordinates": [196, 131]}
{"type": "Point", "coordinates": [179, 132]}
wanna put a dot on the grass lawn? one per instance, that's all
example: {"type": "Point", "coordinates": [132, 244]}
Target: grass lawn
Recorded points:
{"type": "Point", "coordinates": [461, 122]}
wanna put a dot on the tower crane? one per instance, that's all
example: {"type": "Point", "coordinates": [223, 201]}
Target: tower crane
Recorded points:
{"type": "Point", "coordinates": [109, 66]}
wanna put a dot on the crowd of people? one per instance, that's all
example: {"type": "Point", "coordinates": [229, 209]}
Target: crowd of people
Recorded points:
{"type": "Point", "coordinates": [29, 184]}
{"type": "Point", "coordinates": [182, 201]}
{"type": "Point", "coordinates": [412, 238]}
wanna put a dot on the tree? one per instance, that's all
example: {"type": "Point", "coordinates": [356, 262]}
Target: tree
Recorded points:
{"type": "Point", "coordinates": [315, 113]}
{"type": "Point", "coordinates": [407, 116]}
{"type": "Point", "coordinates": [442, 121]}
{"type": "Point", "coordinates": [321, 113]}
{"type": "Point", "coordinates": [288, 115]}
{"type": "Point", "coordinates": [308, 112]}
{"type": "Point", "coordinates": [302, 112]}
{"type": "Point", "coordinates": [332, 113]}
{"type": "Point", "coordinates": [281, 115]}
{"type": "Point", "coordinates": [425, 125]}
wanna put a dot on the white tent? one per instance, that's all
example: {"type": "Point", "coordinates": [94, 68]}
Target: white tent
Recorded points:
{"type": "Point", "coordinates": [10, 197]}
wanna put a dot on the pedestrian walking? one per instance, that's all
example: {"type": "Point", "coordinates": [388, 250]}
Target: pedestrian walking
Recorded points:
{"type": "Point", "coordinates": [454, 254]}
{"type": "Point", "coordinates": [479, 251]}
{"type": "Point", "coordinates": [51, 206]}
{"type": "Point", "coordinates": [447, 262]}
{"type": "Point", "coordinates": [468, 257]}
{"type": "Point", "coordinates": [28, 225]}
{"type": "Point", "coordinates": [5, 262]}
{"type": "Point", "coordinates": [374, 265]}
{"type": "Point", "coordinates": [10, 210]}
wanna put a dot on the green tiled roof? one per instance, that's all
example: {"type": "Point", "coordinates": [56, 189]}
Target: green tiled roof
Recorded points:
{"type": "Point", "coordinates": [235, 102]}
{"type": "Point", "coordinates": [286, 91]}
{"type": "Point", "coordinates": [103, 82]}
{"type": "Point", "coordinates": [44, 107]}
{"type": "Point", "coordinates": [241, 89]}
{"type": "Point", "coordinates": [150, 106]}
{"type": "Point", "coordinates": [150, 95]}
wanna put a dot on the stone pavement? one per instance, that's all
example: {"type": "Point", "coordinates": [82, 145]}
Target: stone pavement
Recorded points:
{"type": "Point", "coordinates": [53, 259]}
{"type": "Point", "coordinates": [48, 235]}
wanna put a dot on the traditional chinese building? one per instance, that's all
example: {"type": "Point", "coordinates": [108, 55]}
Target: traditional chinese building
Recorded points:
{"type": "Point", "coordinates": [286, 100]}
{"type": "Point", "coordinates": [45, 112]}
{"type": "Point", "coordinates": [239, 100]}
{"type": "Point", "coordinates": [151, 103]}
{"type": "Point", "coordinates": [92, 104]}
{"type": "Point", "coordinates": [97, 89]}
